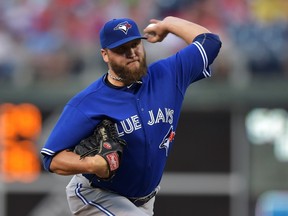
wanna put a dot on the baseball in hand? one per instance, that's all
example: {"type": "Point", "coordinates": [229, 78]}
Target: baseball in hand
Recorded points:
{"type": "Point", "coordinates": [151, 33]}
{"type": "Point", "coordinates": [151, 25]}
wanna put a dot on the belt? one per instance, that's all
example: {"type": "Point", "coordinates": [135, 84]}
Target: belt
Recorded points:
{"type": "Point", "coordinates": [137, 201]}
{"type": "Point", "coordinates": [142, 200]}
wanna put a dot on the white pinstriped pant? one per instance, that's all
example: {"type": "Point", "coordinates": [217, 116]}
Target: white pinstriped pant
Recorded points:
{"type": "Point", "coordinates": [85, 200]}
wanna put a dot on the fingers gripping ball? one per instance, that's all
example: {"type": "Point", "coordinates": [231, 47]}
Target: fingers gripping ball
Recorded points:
{"type": "Point", "coordinates": [151, 25]}
{"type": "Point", "coordinates": [150, 31]}
{"type": "Point", "coordinates": [104, 142]}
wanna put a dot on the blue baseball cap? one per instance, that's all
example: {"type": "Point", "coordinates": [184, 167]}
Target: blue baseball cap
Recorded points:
{"type": "Point", "coordinates": [119, 31]}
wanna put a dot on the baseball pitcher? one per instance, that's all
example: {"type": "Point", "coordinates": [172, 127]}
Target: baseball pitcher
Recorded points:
{"type": "Point", "coordinates": [115, 136]}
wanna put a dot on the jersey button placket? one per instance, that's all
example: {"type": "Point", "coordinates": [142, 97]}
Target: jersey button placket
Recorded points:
{"type": "Point", "coordinates": [139, 105]}
{"type": "Point", "coordinates": [147, 139]}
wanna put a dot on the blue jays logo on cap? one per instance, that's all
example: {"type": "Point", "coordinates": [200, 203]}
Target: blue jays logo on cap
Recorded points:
{"type": "Point", "coordinates": [124, 27]}
{"type": "Point", "coordinates": [111, 34]}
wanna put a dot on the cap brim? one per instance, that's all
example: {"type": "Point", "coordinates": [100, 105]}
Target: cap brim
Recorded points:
{"type": "Point", "coordinates": [126, 40]}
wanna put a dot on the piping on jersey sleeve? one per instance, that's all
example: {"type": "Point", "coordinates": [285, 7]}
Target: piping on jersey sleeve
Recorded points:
{"type": "Point", "coordinates": [204, 58]}
{"type": "Point", "coordinates": [47, 152]}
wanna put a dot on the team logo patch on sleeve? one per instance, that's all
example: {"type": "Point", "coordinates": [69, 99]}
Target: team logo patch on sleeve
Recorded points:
{"type": "Point", "coordinates": [124, 27]}
{"type": "Point", "coordinates": [169, 137]}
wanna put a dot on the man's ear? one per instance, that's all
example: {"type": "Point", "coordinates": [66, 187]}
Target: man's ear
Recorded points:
{"type": "Point", "coordinates": [104, 54]}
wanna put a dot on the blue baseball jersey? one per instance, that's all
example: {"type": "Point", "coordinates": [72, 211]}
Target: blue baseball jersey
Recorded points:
{"type": "Point", "coordinates": [146, 115]}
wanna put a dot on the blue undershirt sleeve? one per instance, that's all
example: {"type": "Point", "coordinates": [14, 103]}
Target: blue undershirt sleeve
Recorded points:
{"type": "Point", "coordinates": [46, 162]}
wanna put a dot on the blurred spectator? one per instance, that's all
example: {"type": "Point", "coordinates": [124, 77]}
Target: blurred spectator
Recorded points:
{"type": "Point", "coordinates": [59, 38]}
{"type": "Point", "coordinates": [234, 12]}
{"type": "Point", "coordinates": [271, 19]}
{"type": "Point", "coordinates": [7, 60]}
{"type": "Point", "coordinates": [269, 11]}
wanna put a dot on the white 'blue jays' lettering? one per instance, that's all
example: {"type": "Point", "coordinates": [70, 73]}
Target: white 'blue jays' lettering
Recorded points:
{"type": "Point", "coordinates": [133, 123]}
{"type": "Point", "coordinates": [160, 116]}
{"type": "Point", "coordinates": [130, 124]}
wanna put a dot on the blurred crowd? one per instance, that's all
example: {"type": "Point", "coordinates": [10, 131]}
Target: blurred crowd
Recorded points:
{"type": "Point", "coordinates": [44, 40]}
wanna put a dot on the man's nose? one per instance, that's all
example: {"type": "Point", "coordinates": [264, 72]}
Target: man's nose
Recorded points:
{"type": "Point", "coordinates": [131, 52]}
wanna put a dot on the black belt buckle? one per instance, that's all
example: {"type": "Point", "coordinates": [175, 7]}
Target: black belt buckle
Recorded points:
{"type": "Point", "coordinates": [142, 200]}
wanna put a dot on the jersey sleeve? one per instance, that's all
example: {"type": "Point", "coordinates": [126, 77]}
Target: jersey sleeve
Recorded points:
{"type": "Point", "coordinates": [70, 129]}
{"type": "Point", "coordinates": [193, 62]}
{"type": "Point", "coordinates": [209, 46]}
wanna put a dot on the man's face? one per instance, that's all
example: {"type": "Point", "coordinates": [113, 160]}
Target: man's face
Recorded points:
{"type": "Point", "coordinates": [128, 61]}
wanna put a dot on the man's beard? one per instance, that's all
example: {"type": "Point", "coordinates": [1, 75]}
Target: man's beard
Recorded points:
{"type": "Point", "coordinates": [129, 76]}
